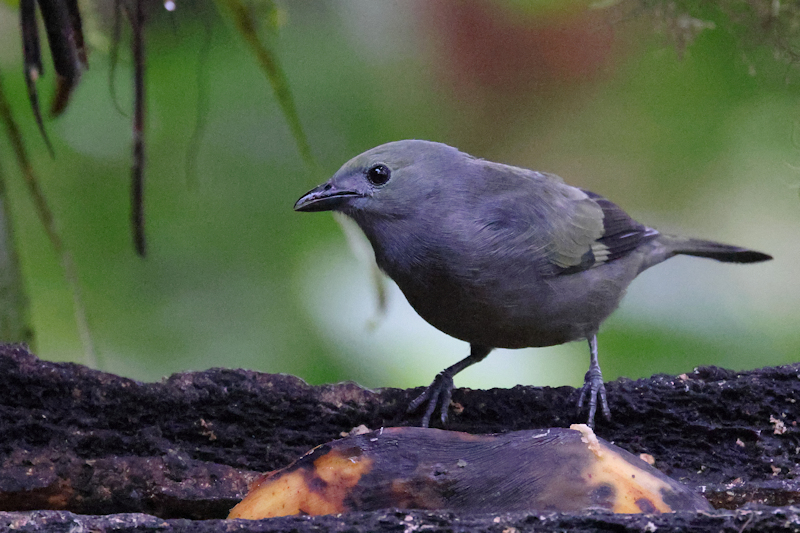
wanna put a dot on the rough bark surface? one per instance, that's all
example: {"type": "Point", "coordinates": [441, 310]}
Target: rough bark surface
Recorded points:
{"type": "Point", "coordinates": [178, 454]}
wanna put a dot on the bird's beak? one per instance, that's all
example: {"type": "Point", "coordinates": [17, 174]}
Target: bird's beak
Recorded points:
{"type": "Point", "coordinates": [326, 197]}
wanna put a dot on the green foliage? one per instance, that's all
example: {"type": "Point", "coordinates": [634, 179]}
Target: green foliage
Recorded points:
{"type": "Point", "coordinates": [246, 23]}
{"type": "Point", "coordinates": [698, 142]}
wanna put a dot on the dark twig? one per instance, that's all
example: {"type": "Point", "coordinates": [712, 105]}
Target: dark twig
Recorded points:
{"type": "Point", "coordinates": [136, 16]}
{"type": "Point", "coordinates": [65, 36]}
{"type": "Point", "coordinates": [77, 32]}
{"type": "Point", "coordinates": [33, 62]}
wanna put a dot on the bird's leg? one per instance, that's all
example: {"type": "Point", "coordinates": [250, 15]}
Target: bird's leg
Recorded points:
{"type": "Point", "coordinates": [593, 385]}
{"type": "Point", "coordinates": [441, 390]}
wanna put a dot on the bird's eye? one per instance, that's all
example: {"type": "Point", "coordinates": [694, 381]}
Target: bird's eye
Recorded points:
{"type": "Point", "coordinates": [378, 174]}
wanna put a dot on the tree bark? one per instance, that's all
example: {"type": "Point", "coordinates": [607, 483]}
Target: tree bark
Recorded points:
{"type": "Point", "coordinates": [75, 442]}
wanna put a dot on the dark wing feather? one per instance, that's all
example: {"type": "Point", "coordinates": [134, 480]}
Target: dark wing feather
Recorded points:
{"type": "Point", "coordinates": [621, 233]}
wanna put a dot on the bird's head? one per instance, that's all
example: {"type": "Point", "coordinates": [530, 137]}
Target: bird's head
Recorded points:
{"type": "Point", "coordinates": [391, 180]}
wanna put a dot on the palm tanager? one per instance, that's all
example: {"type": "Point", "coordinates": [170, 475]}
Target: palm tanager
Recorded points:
{"type": "Point", "coordinates": [498, 256]}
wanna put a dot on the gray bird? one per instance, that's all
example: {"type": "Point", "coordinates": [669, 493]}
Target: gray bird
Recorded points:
{"type": "Point", "coordinates": [498, 256]}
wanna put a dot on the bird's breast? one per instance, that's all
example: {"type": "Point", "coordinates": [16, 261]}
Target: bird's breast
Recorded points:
{"type": "Point", "coordinates": [490, 299]}
{"type": "Point", "coordinates": [476, 302]}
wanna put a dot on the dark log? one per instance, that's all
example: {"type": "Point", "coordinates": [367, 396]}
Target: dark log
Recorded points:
{"type": "Point", "coordinates": [75, 440]}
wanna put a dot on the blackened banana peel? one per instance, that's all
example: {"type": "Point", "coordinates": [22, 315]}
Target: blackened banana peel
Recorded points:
{"type": "Point", "coordinates": [557, 469]}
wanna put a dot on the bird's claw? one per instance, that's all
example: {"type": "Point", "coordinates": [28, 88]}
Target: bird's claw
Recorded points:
{"type": "Point", "coordinates": [438, 393]}
{"type": "Point", "coordinates": [593, 387]}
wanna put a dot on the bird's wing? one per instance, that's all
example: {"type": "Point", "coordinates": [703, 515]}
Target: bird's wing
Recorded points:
{"type": "Point", "coordinates": [597, 229]}
{"type": "Point", "coordinates": [558, 228]}
{"type": "Point", "coordinates": [621, 233]}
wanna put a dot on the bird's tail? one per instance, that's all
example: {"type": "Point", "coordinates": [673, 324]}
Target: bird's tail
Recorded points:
{"type": "Point", "coordinates": [713, 250]}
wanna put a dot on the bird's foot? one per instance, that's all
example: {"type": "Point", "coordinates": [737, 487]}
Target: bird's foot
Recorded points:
{"type": "Point", "coordinates": [592, 388]}
{"type": "Point", "coordinates": [438, 393]}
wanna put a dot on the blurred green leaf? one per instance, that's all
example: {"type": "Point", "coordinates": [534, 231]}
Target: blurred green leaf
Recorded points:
{"type": "Point", "coordinates": [700, 145]}
{"type": "Point", "coordinates": [245, 19]}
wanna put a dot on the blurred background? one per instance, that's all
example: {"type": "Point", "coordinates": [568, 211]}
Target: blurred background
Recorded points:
{"type": "Point", "coordinates": [684, 116]}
